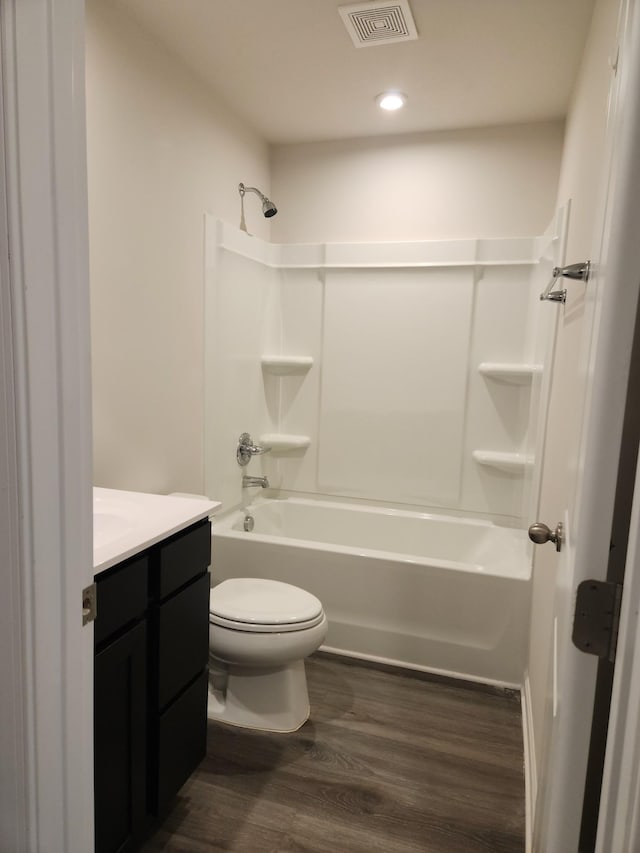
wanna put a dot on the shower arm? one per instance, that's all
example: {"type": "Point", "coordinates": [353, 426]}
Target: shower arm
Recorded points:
{"type": "Point", "coordinates": [268, 207]}
{"type": "Point", "coordinates": [242, 190]}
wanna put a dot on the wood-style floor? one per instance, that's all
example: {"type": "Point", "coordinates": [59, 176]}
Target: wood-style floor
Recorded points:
{"type": "Point", "coordinates": [388, 763]}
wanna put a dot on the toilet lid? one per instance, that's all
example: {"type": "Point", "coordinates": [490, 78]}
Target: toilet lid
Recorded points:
{"type": "Point", "coordinates": [263, 605]}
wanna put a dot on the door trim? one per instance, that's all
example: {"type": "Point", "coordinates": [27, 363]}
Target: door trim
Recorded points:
{"type": "Point", "coordinates": [619, 819]}
{"type": "Point", "coordinates": [44, 135]}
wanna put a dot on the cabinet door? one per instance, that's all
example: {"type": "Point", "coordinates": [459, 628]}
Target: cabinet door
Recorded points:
{"type": "Point", "coordinates": [120, 689]}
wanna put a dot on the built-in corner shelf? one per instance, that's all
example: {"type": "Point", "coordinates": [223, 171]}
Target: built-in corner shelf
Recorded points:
{"type": "Point", "coordinates": [512, 373]}
{"type": "Point", "coordinates": [286, 365]}
{"type": "Point", "coordinates": [281, 443]}
{"type": "Point", "coordinates": [510, 463]}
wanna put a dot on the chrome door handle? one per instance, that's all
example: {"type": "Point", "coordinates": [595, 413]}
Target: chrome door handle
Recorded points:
{"type": "Point", "coordinates": [541, 533]}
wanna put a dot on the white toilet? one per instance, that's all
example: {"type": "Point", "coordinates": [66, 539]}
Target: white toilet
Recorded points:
{"type": "Point", "coordinates": [260, 631]}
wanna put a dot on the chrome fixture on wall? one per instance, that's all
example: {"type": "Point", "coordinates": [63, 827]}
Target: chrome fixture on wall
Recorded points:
{"type": "Point", "coordinates": [247, 481]}
{"type": "Point", "coordinates": [578, 272]}
{"type": "Point", "coordinates": [246, 449]}
{"type": "Point", "coordinates": [268, 207]}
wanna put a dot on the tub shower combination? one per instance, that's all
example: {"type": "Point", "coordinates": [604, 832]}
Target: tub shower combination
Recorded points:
{"type": "Point", "coordinates": [397, 394]}
{"type": "Point", "coordinates": [396, 586]}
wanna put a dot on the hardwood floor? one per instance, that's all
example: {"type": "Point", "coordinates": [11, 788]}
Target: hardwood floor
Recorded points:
{"type": "Point", "coordinates": [388, 763]}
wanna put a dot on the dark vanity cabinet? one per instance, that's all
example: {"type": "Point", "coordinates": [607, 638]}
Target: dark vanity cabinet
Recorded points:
{"type": "Point", "coordinates": [150, 684]}
{"type": "Point", "coordinates": [120, 706]}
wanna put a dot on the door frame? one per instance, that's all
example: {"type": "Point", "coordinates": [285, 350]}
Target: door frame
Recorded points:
{"type": "Point", "coordinates": [619, 819]}
{"type": "Point", "coordinates": [49, 711]}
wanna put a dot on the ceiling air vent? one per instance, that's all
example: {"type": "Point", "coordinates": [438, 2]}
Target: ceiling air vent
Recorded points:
{"type": "Point", "coordinates": [370, 24]}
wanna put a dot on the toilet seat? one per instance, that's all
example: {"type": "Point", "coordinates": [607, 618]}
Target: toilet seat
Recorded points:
{"type": "Point", "coordinates": [257, 628]}
{"type": "Point", "coordinates": [263, 606]}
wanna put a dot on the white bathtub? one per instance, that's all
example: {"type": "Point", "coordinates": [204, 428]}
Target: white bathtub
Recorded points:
{"type": "Point", "coordinates": [431, 592]}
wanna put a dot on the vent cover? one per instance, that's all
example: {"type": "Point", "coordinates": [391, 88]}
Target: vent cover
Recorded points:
{"type": "Point", "coordinates": [370, 24]}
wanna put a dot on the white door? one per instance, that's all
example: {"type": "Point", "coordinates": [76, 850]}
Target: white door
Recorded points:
{"type": "Point", "coordinates": [580, 467]}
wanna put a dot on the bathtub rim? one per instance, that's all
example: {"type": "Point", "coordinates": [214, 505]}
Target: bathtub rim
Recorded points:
{"type": "Point", "coordinates": [274, 493]}
{"type": "Point", "coordinates": [223, 527]}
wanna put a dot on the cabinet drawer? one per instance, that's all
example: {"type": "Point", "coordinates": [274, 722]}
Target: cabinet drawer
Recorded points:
{"type": "Point", "coordinates": [183, 638]}
{"type": "Point", "coordinates": [184, 557]}
{"type": "Point", "coordinates": [182, 740]}
{"type": "Point", "coordinates": [121, 597]}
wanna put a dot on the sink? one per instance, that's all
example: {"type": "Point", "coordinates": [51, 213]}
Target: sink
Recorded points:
{"type": "Point", "coordinates": [124, 523]}
{"type": "Point", "coordinates": [107, 527]}
{"type": "Point", "coordinates": [113, 518]}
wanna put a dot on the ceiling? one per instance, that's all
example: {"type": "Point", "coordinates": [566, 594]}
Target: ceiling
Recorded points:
{"type": "Point", "coordinates": [290, 68]}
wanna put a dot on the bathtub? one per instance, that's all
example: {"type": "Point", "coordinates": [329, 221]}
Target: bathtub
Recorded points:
{"type": "Point", "coordinates": [429, 592]}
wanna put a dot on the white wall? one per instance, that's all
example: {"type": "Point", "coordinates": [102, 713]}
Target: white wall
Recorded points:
{"type": "Point", "coordinates": [241, 305]}
{"type": "Point", "coordinates": [394, 406]}
{"type": "Point", "coordinates": [484, 182]}
{"type": "Point", "coordinates": [581, 181]}
{"type": "Point", "coordinates": [161, 151]}
{"type": "Point", "coordinates": [492, 182]}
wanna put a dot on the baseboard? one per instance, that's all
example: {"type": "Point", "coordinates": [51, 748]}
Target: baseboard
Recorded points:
{"type": "Point", "coordinates": [429, 673]}
{"type": "Point", "coordinates": [530, 771]}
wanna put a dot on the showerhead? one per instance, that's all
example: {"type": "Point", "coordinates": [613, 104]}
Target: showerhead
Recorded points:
{"type": "Point", "coordinates": [268, 207]}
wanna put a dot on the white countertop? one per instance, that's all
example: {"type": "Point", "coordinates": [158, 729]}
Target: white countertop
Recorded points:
{"type": "Point", "coordinates": [125, 523]}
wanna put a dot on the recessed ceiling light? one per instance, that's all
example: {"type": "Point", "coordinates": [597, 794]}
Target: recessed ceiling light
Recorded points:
{"type": "Point", "coordinates": [391, 101]}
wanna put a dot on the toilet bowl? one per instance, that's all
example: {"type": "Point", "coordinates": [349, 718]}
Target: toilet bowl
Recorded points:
{"type": "Point", "coordinates": [260, 631]}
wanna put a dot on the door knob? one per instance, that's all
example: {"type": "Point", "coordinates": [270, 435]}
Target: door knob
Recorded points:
{"type": "Point", "coordinates": [541, 533]}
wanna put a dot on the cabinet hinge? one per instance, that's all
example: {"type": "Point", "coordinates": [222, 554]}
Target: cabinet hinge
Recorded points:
{"type": "Point", "coordinates": [89, 604]}
{"type": "Point", "coordinates": [597, 617]}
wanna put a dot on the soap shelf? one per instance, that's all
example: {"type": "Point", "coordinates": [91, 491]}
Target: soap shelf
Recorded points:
{"type": "Point", "coordinates": [285, 365]}
{"type": "Point", "coordinates": [281, 443]}
{"type": "Point", "coordinates": [512, 373]}
{"type": "Point", "coordinates": [511, 463]}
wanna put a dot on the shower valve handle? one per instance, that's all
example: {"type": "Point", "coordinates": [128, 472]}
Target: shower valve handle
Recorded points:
{"type": "Point", "coordinates": [246, 449]}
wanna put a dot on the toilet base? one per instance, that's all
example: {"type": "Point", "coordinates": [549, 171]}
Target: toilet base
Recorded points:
{"type": "Point", "coordinates": [273, 699]}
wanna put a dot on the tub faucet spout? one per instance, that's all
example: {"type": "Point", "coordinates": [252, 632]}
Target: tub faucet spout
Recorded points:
{"type": "Point", "coordinates": [247, 481]}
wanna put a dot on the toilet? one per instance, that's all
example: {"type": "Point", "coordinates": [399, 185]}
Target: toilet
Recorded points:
{"type": "Point", "coordinates": [260, 631]}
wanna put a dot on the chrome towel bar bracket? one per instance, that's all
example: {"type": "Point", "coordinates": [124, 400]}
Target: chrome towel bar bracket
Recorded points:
{"type": "Point", "coordinates": [578, 272]}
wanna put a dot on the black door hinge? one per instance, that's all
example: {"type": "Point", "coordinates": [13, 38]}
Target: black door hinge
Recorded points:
{"type": "Point", "coordinates": [597, 616]}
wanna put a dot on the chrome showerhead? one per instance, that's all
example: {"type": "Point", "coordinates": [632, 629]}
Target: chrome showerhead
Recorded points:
{"type": "Point", "coordinates": [268, 207]}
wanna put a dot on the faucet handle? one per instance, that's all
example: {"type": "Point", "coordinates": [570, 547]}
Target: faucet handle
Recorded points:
{"type": "Point", "coordinates": [246, 449]}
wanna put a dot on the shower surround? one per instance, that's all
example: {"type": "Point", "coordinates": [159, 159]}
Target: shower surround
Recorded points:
{"type": "Point", "coordinates": [406, 378]}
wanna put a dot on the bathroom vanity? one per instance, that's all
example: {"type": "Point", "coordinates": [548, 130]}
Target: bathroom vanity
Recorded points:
{"type": "Point", "coordinates": [151, 652]}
